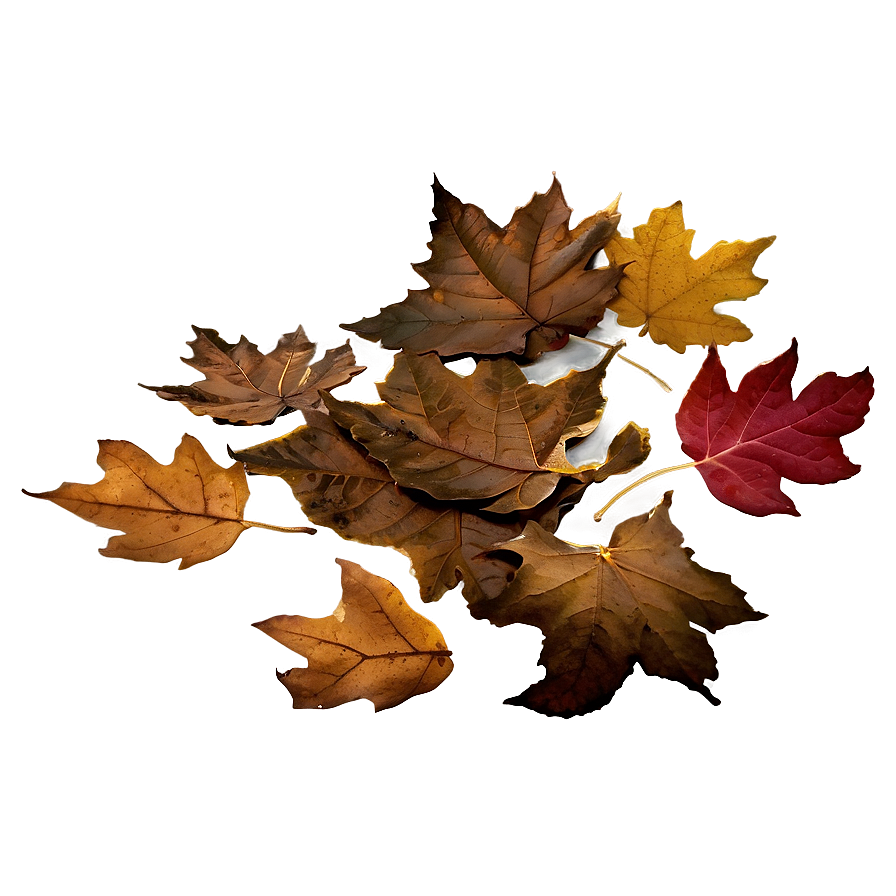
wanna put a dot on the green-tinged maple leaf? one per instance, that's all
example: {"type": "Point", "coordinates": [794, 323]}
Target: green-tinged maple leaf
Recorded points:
{"type": "Point", "coordinates": [497, 290]}
{"type": "Point", "coordinates": [340, 486]}
{"type": "Point", "coordinates": [373, 647]}
{"type": "Point", "coordinates": [190, 509]}
{"type": "Point", "coordinates": [603, 609]}
{"type": "Point", "coordinates": [243, 386]}
{"type": "Point", "coordinates": [672, 295]}
{"type": "Point", "coordinates": [490, 435]}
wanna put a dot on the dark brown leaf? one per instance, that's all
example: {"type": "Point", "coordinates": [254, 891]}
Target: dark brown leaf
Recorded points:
{"type": "Point", "coordinates": [604, 609]}
{"type": "Point", "coordinates": [490, 435]}
{"type": "Point", "coordinates": [340, 486]}
{"type": "Point", "coordinates": [242, 386]}
{"type": "Point", "coordinates": [498, 290]}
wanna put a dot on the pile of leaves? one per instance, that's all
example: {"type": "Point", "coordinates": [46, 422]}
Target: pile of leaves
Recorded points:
{"type": "Point", "coordinates": [469, 475]}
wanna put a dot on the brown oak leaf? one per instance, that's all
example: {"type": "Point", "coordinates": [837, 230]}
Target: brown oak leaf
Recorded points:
{"type": "Point", "coordinates": [243, 387]}
{"type": "Point", "coordinates": [489, 435]}
{"type": "Point", "coordinates": [373, 647]}
{"type": "Point", "coordinates": [495, 290]}
{"type": "Point", "coordinates": [603, 609]}
{"type": "Point", "coordinates": [340, 486]}
{"type": "Point", "coordinates": [191, 509]}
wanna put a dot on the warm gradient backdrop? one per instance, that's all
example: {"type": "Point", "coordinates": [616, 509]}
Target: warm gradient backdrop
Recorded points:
{"type": "Point", "coordinates": [250, 167]}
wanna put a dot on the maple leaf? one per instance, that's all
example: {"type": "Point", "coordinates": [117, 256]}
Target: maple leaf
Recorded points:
{"type": "Point", "coordinates": [340, 486]}
{"type": "Point", "coordinates": [672, 294]}
{"type": "Point", "coordinates": [492, 290]}
{"type": "Point", "coordinates": [245, 387]}
{"type": "Point", "coordinates": [191, 509]}
{"type": "Point", "coordinates": [603, 609]}
{"type": "Point", "coordinates": [373, 647]}
{"type": "Point", "coordinates": [744, 442]}
{"type": "Point", "coordinates": [488, 435]}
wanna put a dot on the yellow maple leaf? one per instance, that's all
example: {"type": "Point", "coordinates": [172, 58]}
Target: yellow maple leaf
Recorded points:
{"type": "Point", "coordinates": [671, 295]}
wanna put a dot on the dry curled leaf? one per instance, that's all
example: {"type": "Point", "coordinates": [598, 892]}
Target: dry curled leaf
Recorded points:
{"type": "Point", "coordinates": [670, 294]}
{"type": "Point", "coordinates": [744, 442]}
{"type": "Point", "coordinates": [340, 486]}
{"type": "Point", "coordinates": [497, 290]}
{"type": "Point", "coordinates": [190, 509]}
{"type": "Point", "coordinates": [603, 609]}
{"type": "Point", "coordinates": [490, 435]}
{"type": "Point", "coordinates": [373, 647]}
{"type": "Point", "coordinates": [242, 386]}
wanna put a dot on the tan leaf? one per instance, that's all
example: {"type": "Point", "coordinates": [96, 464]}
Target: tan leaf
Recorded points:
{"type": "Point", "coordinates": [340, 486]}
{"type": "Point", "coordinates": [496, 290]}
{"type": "Point", "coordinates": [488, 435]}
{"type": "Point", "coordinates": [373, 647]}
{"type": "Point", "coordinates": [242, 386]}
{"type": "Point", "coordinates": [191, 509]}
{"type": "Point", "coordinates": [672, 295]}
{"type": "Point", "coordinates": [603, 609]}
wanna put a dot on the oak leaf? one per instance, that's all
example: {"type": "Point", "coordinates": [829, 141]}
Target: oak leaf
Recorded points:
{"type": "Point", "coordinates": [242, 386]}
{"type": "Point", "coordinates": [190, 509]}
{"type": "Point", "coordinates": [340, 486]}
{"type": "Point", "coordinates": [744, 442]}
{"type": "Point", "coordinates": [373, 647]}
{"type": "Point", "coordinates": [489, 435]}
{"type": "Point", "coordinates": [672, 295]}
{"type": "Point", "coordinates": [604, 609]}
{"type": "Point", "coordinates": [502, 290]}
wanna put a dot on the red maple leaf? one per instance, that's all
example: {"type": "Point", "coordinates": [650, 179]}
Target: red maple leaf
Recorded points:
{"type": "Point", "coordinates": [744, 442]}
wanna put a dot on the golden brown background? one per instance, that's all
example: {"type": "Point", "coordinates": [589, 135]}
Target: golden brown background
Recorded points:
{"type": "Point", "coordinates": [250, 167]}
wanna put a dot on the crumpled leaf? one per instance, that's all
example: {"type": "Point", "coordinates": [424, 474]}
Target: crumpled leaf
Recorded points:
{"type": "Point", "coordinates": [373, 647]}
{"type": "Point", "coordinates": [340, 486]}
{"type": "Point", "coordinates": [603, 609]}
{"type": "Point", "coordinates": [190, 509]}
{"type": "Point", "coordinates": [745, 441]}
{"type": "Point", "coordinates": [670, 294]}
{"type": "Point", "coordinates": [488, 435]}
{"type": "Point", "coordinates": [242, 386]}
{"type": "Point", "coordinates": [497, 290]}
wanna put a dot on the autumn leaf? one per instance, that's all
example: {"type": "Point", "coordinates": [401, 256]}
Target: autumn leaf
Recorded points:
{"type": "Point", "coordinates": [628, 450]}
{"type": "Point", "coordinates": [373, 647]}
{"type": "Point", "coordinates": [245, 387]}
{"type": "Point", "coordinates": [488, 435]}
{"type": "Point", "coordinates": [604, 609]}
{"type": "Point", "coordinates": [672, 295]}
{"type": "Point", "coordinates": [191, 509]}
{"type": "Point", "coordinates": [744, 442]}
{"type": "Point", "coordinates": [340, 486]}
{"type": "Point", "coordinates": [497, 290]}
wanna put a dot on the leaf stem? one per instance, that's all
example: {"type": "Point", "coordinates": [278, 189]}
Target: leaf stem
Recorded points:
{"type": "Point", "coordinates": [662, 383]}
{"type": "Point", "coordinates": [599, 515]}
{"type": "Point", "coordinates": [306, 529]}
